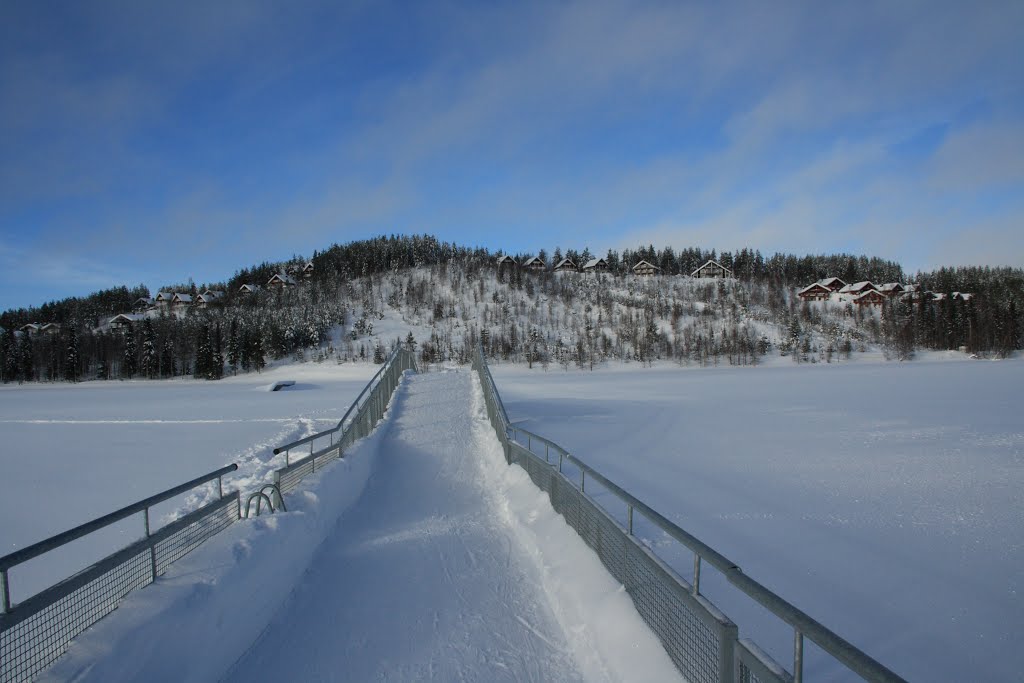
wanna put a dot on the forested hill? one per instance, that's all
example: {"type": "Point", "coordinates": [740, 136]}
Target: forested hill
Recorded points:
{"type": "Point", "coordinates": [355, 301]}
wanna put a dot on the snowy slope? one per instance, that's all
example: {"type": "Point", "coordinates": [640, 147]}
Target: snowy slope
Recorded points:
{"type": "Point", "coordinates": [421, 556]}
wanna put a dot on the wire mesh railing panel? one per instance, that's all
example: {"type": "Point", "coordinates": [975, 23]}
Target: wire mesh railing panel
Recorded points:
{"type": "Point", "coordinates": [754, 665]}
{"type": "Point", "coordinates": [690, 642]}
{"type": "Point", "coordinates": [290, 477]}
{"type": "Point", "coordinates": [33, 643]}
{"type": "Point", "coordinates": [220, 516]}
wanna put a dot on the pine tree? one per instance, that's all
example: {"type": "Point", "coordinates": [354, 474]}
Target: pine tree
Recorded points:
{"type": "Point", "coordinates": [10, 357]}
{"type": "Point", "coordinates": [378, 352]}
{"type": "Point", "coordinates": [234, 350]}
{"type": "Point", "coordinates": [150, 361]}
{"type": "Point", "coordinates": [71, 358]}
{"type": "Point", "coordinates": [26, 359]}
{"type": "Point", "coordinates": [128, 367]}
{"type": "Point", "coordinates": [410, 342]}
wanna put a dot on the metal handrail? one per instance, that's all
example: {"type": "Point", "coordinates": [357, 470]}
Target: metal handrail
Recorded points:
{"type": "Point", "coordinates": [804, 625]}
{"type": "Point", "coordinates": [353, 406]}
{"type": "Point", "coordinates": [36, 549]}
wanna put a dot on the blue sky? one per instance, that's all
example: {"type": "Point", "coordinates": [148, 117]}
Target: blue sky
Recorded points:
{"type": "Point", "coordinates": [154, 142]}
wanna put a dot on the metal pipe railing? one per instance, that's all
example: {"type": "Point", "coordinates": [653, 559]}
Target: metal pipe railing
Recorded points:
{"type": "Point", "coordinates": [803, 624]}
{"type": "Point", "coordinates": [357, 405]}
{"type": "Point", "coordinates": [11, 560]}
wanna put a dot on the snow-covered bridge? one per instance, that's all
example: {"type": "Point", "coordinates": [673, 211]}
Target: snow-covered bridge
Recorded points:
{"type": "Point", "coordinates": [420, 556]}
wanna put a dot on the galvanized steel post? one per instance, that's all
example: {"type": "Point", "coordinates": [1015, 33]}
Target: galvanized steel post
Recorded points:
{"type": "Point", "coordinates": [5, 587]}
{"type": "Point", "coordinates": [152, 547]}
{"type": "Point", "coordinates": [798, 656]}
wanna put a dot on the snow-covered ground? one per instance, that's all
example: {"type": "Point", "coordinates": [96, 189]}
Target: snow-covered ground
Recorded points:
{"type": "Point", "coordinates": [884, 499]}
{"type": "Point", "coordinates": [74, 452]}
{"type": "Point", "coordinates": [420, 556]}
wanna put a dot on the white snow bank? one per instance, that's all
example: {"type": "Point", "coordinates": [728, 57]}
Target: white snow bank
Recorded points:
{"type": "Point", "coordinates": [195, 621]}
{"type": "Point", "coordinates": [608, 638]}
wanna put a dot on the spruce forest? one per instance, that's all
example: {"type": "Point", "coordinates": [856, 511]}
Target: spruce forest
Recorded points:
{"type": "Point", "coordinates": [363, 298]}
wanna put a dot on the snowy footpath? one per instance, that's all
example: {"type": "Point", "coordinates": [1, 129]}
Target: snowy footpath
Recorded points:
{"type": "Point", "coordinates": [446, 565]}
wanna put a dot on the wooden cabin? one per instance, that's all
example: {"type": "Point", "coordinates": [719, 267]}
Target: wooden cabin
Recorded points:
{"type": "Point", "coordinates": [143, 303]}
{"type": "Point", "coordinates": [124, 321]}
{"type": "Point", "coordinates": [281, 281]}
{"type": "Point", "coordinates": [711, 269]}
{"type": "Point", "coordinates": [870, 297]}
{"type": "Point", "coordinates": [566, 265]}
{"type": "Point", "coordinates": [891, 289]}
{"type": "Point", "coordinates": [833, 284]}
{"type": "Point", "coordinates": [645, 269]}
{"type": "Point", "coordinates": [506, 261]}
{"type": "Point", "coordinates": [50, 329]}
{"type": "Point", "coordinates": [180, 300]}
{"type": "Point", "coordinates": [815, 292]}
{"type": "Point", "coordinates": [858, 288]}
{"type": "Point", "coordinates": [307, 270]}
{"type": "Point", "coordinates": [30, 329]}
{"type": "Point", "coordinates": [595, 265]}
{"type": "Point", "coordinates": [962, 296]}
{"type": "Point", "coordinates": [163, 300]}
{"type": "Point", "coordinates": [248, 288]}
{"type": "Point", "coordinates": [209, 298]}
{"type": "Point", "coordinates": [534, 263]}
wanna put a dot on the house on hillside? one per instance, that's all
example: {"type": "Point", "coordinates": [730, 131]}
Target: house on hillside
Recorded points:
{"type": "Point", "coordinates": [506, 261]}
{"type": "Point", "coordinates": [281, 281]}
{"type": "Point", "coordinates": [566, 265]}
{"type": "Point", "coordinates": [50, 329]}
{"type": "Point", "coordinates": [870, 297]}
{"type": "Point", "coordinates": [248, 289]}
{"type": "Point", "coordinates": [143, 304]}
{"type": "Point", "coordinates": [891, 289]}
{"type": "Point", "coordinates": [858, 288]}
{"type": "Point", "coordinates": [815, 292]}
{"type": "Point", "coordinates": [31, 329]}
{"type": "Point", "coordinates": [534, 263]}
{"type": "Point", "coordinates": [307, 270]}
{"type": "Point", "coordinates": [595, 265]}
{"type": "Point", "coordinates": [711, 269]}
{"type": "Point", "coordinates": [833, 284]}
{"type": "Point", "coordinates": [163, 300]}
{"type": "Point", "coordinates": [124, 321]}
{"type": "Point", "coordinates": [962, 296]}
{"type": "Point", "coordinates": [180, 301]}
{"type": "Point", "coordinates": [209, 298]}
{"type": "Point", "coordinates": [936, 296]}
{"type": "Point", "coordinates": [645, 269]}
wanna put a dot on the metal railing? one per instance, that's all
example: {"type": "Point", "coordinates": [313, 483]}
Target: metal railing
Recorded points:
{"type": "Point", "coordinates": [359, 420]}
{"type": "Point", "coordinates": [702, 642]}
{"type": "Point", "coordinates": [34, 632]}
{"type": "Point", "coordinates": [37, 630]}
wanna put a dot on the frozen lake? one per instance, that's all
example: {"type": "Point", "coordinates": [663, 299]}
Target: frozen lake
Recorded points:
{"type": "Point", "coordinates": [886, 500]}
{"type": "Point", "coordinates": [74, 452]}
{"type": "Point", "coordinates": [883, 499]}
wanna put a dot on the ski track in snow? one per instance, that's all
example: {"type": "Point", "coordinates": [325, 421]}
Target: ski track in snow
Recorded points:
{"type": "Point", "coordinates": [419, 581]}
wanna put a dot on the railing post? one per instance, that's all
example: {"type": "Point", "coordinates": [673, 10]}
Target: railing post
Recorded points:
{"type": "Point", "coordinates": [798, 656]}
{"type": "Point", "coordinates": [152, 547]}
{"type": "Point", "coordinates": [629, 518]}
{"type": "Point", "coordinates": [546, 458]}
{"type": "Point", "coordinates": [696, 574]}
{"type": "Point", "coordinates": [583, 480]}
{"type": "Point", "coordinates": [220, 487]}
{"type": "Point", "coordinates": [560, 455]}
{"type": "Point", "coordinates": [287, 459]}
{"type": "Point", "coordinates": [5, 588]}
